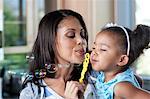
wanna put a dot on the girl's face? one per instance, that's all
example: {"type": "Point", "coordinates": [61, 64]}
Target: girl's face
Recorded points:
{"type": "Point", "coordinates": [105, 54]}
{"type": "Point", "coordinates": [70, 41]}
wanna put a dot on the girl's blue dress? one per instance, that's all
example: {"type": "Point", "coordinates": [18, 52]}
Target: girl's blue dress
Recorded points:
{"type": "Point", "coordinates": [105, 90]}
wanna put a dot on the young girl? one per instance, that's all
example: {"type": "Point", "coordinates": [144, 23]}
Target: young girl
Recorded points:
{"type": "Point", "coordinates": [115, 49]}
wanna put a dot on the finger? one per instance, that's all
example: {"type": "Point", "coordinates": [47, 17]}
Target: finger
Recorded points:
{"type": "Point", "coordinates": [67, 89]}
{"type": "Point", "coordinates": [73, 86]}
{"type": "Point", "coordinates": [81, 87]}
{"type": "Point", "coordinates": [75, 92]}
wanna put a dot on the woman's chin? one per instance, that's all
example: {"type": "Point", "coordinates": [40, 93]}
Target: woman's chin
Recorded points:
{"type": "Point", "coordinates": [78, 61]}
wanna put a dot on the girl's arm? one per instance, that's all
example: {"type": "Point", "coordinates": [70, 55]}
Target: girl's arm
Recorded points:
{"type": "Point", "coordinates": [128, 91]}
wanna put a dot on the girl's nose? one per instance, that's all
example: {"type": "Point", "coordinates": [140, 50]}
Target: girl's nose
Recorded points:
{"type": "Point", "coordinates": [94, 52]}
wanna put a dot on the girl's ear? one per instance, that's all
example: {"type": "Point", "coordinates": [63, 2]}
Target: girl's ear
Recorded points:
{"type": "Point", "coordinates": [123, 60]}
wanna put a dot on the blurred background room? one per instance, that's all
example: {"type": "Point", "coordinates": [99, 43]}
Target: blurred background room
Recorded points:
{"type": "Point", "coordinates": [19, 21]}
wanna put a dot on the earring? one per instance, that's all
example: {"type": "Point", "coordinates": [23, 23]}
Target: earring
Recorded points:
{"type": "Point", "coordinates": [40, 74]}
{"type": "Point", "coordinates": [51, 68]}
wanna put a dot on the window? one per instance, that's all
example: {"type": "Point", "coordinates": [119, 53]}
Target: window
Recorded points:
{"type": "Point", "coordinates": [1, 49]}
{"type": "Point", "coordinates": [0, 39]}
{"type": "Point", "coordinates": [129, 13]}
{"type": "Point", "coordinates": [19, 23]}
{"type": "Point", "coordinates": [143, 17]}
{"type": "Point", "coordinates": [14, 23]}
{"type": "Point", "coordinates": [21, 19]}
{"type": "Point", "coordinates": [41, 9]}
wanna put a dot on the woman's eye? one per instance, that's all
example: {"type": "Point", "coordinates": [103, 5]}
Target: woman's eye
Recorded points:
{"type": "Point", "coordinates": [93, 48]}
{"type": "Point", "coordinates": [71, 34]}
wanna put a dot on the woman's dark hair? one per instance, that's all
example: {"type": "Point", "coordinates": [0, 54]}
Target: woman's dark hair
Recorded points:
{"type": "Point", "coordinates": [44, 46]}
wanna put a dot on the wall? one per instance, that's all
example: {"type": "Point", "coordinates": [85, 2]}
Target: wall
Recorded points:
{"type": "Point", "coordinates": [1, 50]}
{"type": "Point", "coordinates": [1, 33]}
{"type": "Point", "coordinates": [103, 12]}
{"type": "Point", "coordinates": [96, 13]}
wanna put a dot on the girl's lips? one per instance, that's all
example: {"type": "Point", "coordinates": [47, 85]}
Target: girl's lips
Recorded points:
{"type": "Point", "coordinates": [93, 60]}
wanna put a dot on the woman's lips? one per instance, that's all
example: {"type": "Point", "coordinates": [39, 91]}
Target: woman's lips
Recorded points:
{"type": "Point", "coordinates": [80, 52]}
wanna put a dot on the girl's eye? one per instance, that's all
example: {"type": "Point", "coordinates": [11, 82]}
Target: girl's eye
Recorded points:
{"type": "Point", "coordinates": [83, 34]}
{"type": "Point", "coordinates": [103, 49]}
{"type": "Point", "coordinates": [93, 48]}
{"type": "Point", "coordinates": [70, 34]}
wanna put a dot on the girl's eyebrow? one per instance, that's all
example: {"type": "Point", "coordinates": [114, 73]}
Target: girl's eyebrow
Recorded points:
{"type": "Point", "coordinates": [102, 44]}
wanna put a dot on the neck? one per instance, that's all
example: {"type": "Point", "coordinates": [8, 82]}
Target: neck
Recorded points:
{"type": "Point", "coordinates": [64, 69]}
{"type": "Point", "coordinates": [64, 73]}
{"type": "Point", "coordinates": [58, 83]}
{"type": "Point", "coordinates": [111, 75]}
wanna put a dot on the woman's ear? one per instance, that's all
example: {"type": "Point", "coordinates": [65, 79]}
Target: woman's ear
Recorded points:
{"type": "Point", "coordinates": [123, 60]}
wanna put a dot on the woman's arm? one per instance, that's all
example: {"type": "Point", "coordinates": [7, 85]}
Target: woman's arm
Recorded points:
{"type": "Point", "coordinates": [128, 91]}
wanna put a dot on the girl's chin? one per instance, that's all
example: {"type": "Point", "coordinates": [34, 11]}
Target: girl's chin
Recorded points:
{"type": "Point", "coordinates": [95, 68]}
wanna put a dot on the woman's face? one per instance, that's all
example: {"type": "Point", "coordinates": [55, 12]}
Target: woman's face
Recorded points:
{"type": "Point", "coordinates": [70, 41]}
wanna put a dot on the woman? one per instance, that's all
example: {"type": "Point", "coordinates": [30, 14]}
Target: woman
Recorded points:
{"type": "Point", "coordinates": [60, 45]}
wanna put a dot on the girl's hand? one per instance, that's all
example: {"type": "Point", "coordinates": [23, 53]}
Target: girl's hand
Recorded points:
{"type": "Point", "coordinates": [72, 90]}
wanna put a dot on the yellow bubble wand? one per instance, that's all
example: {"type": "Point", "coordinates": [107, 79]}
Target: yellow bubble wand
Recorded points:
{"type": "Point", "coordinates": [85, 67]}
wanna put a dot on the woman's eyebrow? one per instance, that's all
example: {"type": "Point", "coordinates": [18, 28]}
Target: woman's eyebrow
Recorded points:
{"type": "Point", "coordinates": [70, 29]}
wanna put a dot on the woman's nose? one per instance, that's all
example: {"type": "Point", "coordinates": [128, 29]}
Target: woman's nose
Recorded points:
{"type": "Point", "coordinates": [80, 41]}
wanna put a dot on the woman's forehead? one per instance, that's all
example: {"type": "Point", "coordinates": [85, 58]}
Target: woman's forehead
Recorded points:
{"type": "Point", "coordinates": [70, 24]}
{"type": "Point", "coordinates": [67, 20]}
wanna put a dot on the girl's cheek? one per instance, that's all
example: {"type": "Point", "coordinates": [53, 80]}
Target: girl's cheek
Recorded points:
{"type": "Point", "coordinates": [92, 54]}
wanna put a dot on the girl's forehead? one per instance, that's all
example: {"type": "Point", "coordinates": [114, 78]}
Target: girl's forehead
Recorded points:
{"type": "Point", "coordinates": [106, 37]}
{"type": "Point", "coordinates": [103, 34]}
{"type": "Point", "coordinates": [107, 34]}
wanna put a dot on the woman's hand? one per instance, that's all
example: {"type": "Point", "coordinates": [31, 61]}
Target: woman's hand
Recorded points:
{"type": "Point", "coordinates": [72, 90]}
